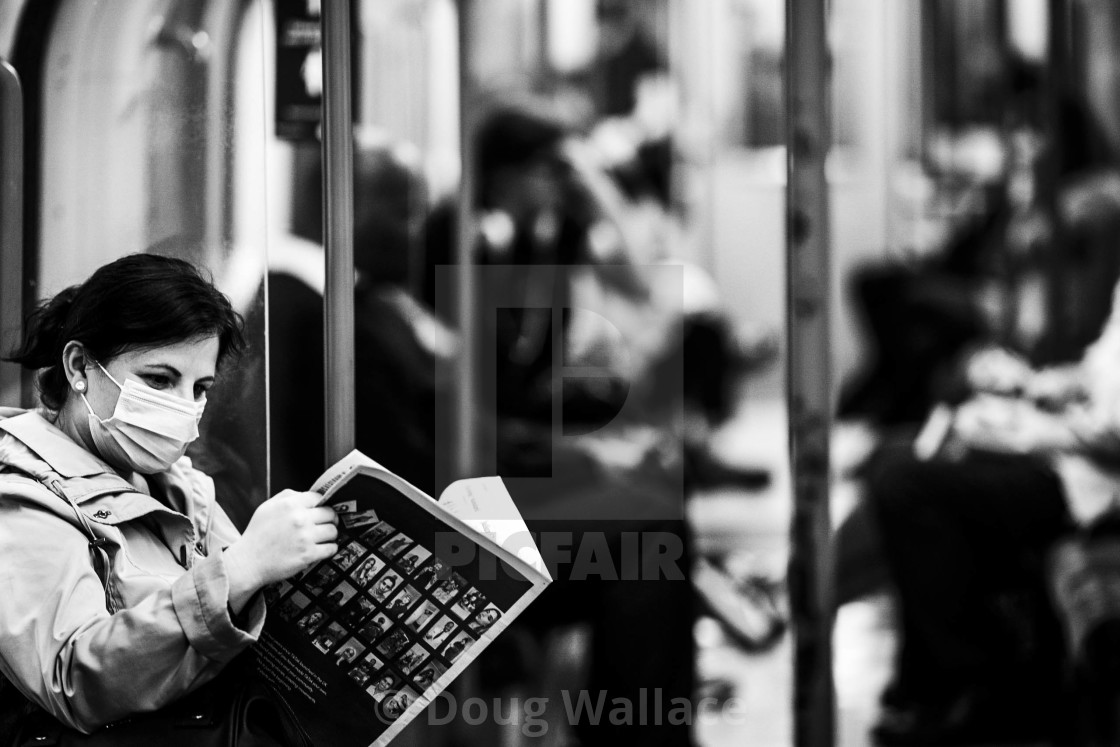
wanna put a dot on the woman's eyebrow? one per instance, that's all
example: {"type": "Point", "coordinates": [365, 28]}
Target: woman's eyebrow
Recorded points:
{"type": "Point", "coordinates": [166, 367]}
{"type": "Point", "coordinates": [175, 372]}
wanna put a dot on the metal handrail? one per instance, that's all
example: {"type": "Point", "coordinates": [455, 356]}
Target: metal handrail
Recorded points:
{"type": "Point", "coordinates": [808, 370]}
{"type": "Point", "coordinates": [338, 230]}
{"type": "Point", "coordinates": [466, 406]}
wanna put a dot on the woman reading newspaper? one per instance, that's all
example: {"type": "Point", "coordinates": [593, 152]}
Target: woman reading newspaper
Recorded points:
{"type": "Point", "coordinates": [125, 585]}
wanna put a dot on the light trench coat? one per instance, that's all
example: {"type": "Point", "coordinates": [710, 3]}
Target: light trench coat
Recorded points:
{"type": "Point", "coordinates": [173, 630]}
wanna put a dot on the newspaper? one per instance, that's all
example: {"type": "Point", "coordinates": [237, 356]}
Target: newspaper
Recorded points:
{"type": "Point", "coordinates": [360, 644]}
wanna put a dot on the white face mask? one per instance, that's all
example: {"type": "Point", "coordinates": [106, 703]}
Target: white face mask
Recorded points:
{"type": "Point", "coordinates": [149, 430]}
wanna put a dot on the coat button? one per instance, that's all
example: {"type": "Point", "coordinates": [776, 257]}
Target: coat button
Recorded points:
{"type": "Point", "coordinates": [102, 514]}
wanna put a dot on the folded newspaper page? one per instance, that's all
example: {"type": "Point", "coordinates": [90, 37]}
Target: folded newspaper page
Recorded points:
{"type": "Point", "coordinates": [360, 644]}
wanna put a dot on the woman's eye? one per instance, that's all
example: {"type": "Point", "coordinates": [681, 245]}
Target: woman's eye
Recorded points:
{"type": "Point", "coordinates": [200, 392]}
{"type": "Point", "coordinates": [156, 381]}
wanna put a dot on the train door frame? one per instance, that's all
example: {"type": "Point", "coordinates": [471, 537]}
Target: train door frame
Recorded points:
{"type": "Point", "coordinates": [25, 50]}
{"type": "Point", "coordinates": [11, 221]}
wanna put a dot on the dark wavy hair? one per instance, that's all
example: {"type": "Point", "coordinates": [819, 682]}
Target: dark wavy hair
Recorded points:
{"type": "Point", "coordinates": [137, 302]}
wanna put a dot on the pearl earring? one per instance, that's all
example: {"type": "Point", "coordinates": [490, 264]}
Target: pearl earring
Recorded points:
{"type": "Point", "coordinates": [80, 386]}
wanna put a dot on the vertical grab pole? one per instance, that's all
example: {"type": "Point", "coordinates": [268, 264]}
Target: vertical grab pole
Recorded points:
{"type": "Point", "coordinates": [11, 225]}
{"type": "Point", "coordinates": [338, 230]}
{"type": "Point", "coordinates": [466, 410]}
{"type": "Point", "coordinates": [808, 372]}
{"type": "Point", "coordinates": [1060, 317]}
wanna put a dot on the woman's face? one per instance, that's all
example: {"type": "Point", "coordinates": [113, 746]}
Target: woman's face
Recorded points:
{"type": "Point", "coordinates": [185, 369]}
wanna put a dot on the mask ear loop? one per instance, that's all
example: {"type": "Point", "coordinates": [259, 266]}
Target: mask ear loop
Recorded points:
{"type": "Point", "coordinates": [117, 383]}
{"type": "Point", "coordinates": [80, 386]}
{"type": "Point", "coordinates": [90, 407]}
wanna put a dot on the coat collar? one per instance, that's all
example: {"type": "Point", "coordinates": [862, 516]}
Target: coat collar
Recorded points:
{"type": "Point", "coordinates": [55, 448]}
{"type": "Point", "coordinates": [105, 496]}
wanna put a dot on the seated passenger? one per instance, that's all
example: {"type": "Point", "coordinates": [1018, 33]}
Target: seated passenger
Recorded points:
{"type": "Point", "coordinates": [573, 234]}
{"type": "Point", "coordinates": [924, 312]}
{"type": "Point", "coordinates": [966, 533]}
{"type": "Point", "coordinates": [125, 361]}
{"type": "Point", "coordinates": [397, 343]}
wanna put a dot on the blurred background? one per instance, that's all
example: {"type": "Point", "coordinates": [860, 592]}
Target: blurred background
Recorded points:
{"type": "Point", "coordinates": [621, 167]}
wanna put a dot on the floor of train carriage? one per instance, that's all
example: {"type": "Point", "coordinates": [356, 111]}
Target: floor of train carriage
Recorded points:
{"type": "Point", "coordinates": [756, 526]}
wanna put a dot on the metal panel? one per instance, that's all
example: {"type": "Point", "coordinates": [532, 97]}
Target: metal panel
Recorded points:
{"type": "Point", "coordinates": [11, 227]}
{"type": "Point", "coordinates": [809, 370]}
{"type": "Point", "coordinates": [338, 229]}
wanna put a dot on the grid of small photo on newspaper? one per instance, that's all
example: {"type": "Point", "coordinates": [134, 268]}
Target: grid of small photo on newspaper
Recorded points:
{"type": "Point", "coordinates": [387, 611]}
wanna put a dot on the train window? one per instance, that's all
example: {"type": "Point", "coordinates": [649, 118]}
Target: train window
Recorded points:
{"type": "Point", "coordinates": [153, 125]}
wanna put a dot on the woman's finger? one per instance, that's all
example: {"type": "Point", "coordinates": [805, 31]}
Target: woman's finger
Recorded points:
{"type": "Point", "coordinates": [311, 498]}
{"type": "Point", "coordinates": [321, 533]}
{"type": "Point", "coordinates": [323, 515]}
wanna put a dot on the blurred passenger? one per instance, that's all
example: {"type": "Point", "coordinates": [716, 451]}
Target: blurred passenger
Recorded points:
{"type": "Point", "coordinates": [545, 201]}
{"type": "Point", "coordinates": [627, 57]}
{"type": "Point", "coordinates": [400, 347]}
{"type": "Point", "coordinates": [537, 214]}
{"type": "Point", "coordinates": [927, 315]}
{"type": "Point", "coordinates": [397, 343]}
{"type": "Point", "coordinates": [967, 532]}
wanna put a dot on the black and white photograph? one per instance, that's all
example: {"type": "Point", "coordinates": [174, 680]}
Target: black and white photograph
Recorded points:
{"type": "Point", "coordinates": [359, 609]}
{"type": "Point", "coordinates": [456, 647]}
{"type": "Point", "coordinates": [375, 627]}
{"type": "Point", "coordinates": [392, 643]}
{"type": "Point", "coordinates": [368, 570]}
{"type": "Point", "coordinates": [440, 631]}
{"type": "Point", "coordinates": [362, 673]}
{"type": "Point", "coordinates": [327, 637]}
{"type": "Point", "coordinates": [321, 578]}
{"type": "Point", "coordinates": [449, 587]}
{"type": "Point", "coordinates": [396, 704]}
{"type": "Point", "coordinates": [471, 601]}
{"type": "Point", "coordinates": [395, 546]}
{"type": "Point", "coordinates": [398, 605]}
{"type": "Point", "coordinates": [385, 685]}
{"type": "Point", "coordinates": [386, 586]}
{"type": "Point", "coordinates": [348, 555]}
{"type": "Point", "coordinates": [429, 573]}
{"type": "Point", "coordinates": [683, 373]}
{"type": "Point", "coordinates": [484, 620]}
{"type": "Point", "coordinates": [292, 606]}
{"type": "Point", "coordinates": [349, 652]}
{"type": "Point", "coordinates": [377, 532]}
{"type": "Point", "coordinates": [311, 620]}
{"type": "Point", "coordinates": [428, 673]}
{"type": "Point", "coordinates": [422, 615]}
{"type": "Point", "coordinates": [352, 518]}
{"type": "Point", "coordinates": [412, 658]}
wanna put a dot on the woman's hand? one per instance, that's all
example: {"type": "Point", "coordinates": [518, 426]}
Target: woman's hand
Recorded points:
{"type": "Point", "coordinates": [1009, 426]}
{"type": "Point", "coordinates": [287, 534]}
{"type": "Point", "coordinates": [998, 371]}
